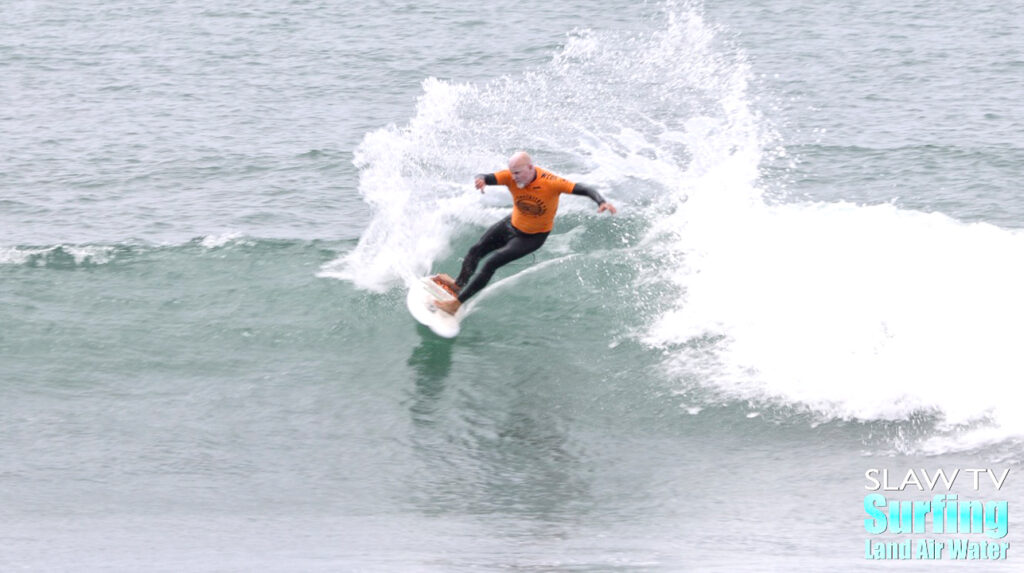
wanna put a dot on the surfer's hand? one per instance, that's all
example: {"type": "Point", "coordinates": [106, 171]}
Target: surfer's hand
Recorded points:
{"type": "Point", "coordinates": [480, 184]}
{"type": "Point", "coordinates": [607, 207]}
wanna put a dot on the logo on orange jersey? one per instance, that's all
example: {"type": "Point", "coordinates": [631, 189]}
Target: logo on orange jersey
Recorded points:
{"type": "Point", "coordinates": [531, 205]}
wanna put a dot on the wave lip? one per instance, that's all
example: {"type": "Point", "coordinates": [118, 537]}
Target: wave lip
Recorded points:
{"type": "Point", "coordinates": [59, 256]}
{"type": "Point", "coordinates": [65, 255]}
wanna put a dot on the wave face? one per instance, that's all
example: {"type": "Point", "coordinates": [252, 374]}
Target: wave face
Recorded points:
{"type": "Point", "coordinates": [849, 311]}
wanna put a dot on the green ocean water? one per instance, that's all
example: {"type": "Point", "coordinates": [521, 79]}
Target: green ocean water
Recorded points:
{"type": "Point", "coordinates": [208, 214]}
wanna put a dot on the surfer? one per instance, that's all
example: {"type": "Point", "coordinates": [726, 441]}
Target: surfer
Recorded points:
{"type": "Point", "coordinates": [535, 194]}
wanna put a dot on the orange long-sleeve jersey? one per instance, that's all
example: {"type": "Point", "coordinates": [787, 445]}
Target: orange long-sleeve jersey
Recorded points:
{"type": "Point", "coordinates": [535, 205]}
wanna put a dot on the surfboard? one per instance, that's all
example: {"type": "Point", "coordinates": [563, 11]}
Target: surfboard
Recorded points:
{"type": "Point", "coordinates": [422, 294]}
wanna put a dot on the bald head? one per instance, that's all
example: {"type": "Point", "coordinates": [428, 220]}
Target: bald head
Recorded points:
{"type": "Point", "coordinates": [521, 167]}
{"type": "Point", "coordinates": [520, 158]}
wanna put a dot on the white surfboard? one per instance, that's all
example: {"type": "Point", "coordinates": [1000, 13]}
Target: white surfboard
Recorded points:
{"type": "Point", "coordinates": [423, 293]}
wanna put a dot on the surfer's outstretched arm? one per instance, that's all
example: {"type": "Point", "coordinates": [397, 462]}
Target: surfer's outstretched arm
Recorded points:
{"type": "Point", "coordinates": [484, 179]}
{"type": "Point", "coordinates": [588, 191]}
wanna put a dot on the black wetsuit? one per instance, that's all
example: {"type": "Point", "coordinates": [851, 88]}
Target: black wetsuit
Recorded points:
{"type": "Point", "coordinates": [506, 242]}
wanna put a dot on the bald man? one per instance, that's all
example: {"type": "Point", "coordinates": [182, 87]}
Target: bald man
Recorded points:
{"type": "Point", "coordinates": [535, 194]}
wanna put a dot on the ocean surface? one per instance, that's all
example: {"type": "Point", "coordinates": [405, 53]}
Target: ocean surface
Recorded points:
{"type": "Point", "coordinates": [209, 213]}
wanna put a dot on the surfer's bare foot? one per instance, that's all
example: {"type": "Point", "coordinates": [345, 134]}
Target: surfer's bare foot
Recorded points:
{"type": "Point", "coordinates": [449, 306]}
